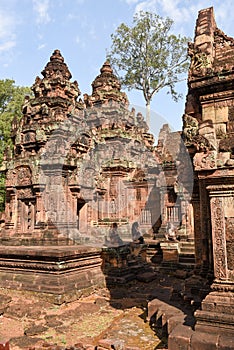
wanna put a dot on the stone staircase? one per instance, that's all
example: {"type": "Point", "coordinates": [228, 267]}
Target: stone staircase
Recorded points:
{"type": "Point", "coordinates": [187, 254]}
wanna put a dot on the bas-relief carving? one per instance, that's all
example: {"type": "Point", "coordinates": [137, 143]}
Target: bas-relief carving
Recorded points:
{"type": "Point", "coordinates": [219, 242]}
{"type": "Point", "coordinates": [205, 160]}
{"type": "Point", "coordinates": [23, 175]}
{"type": "Point", "coordinates": [229, 229]}
{"type": "Point", "coordinates": [24, 193]}
{"type": "Point", "coordinates": [200, 62]}
{"type": "Point", "coordinates": [222, 209]}
{"type": "Point", "coordinates": [229, 226]}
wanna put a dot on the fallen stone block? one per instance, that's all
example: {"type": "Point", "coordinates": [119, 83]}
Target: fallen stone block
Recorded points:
{"type": "Point", "coordinates": [174, 321]}
{"type": "Point", "coordinates": [180, 338]}
{"type": "Point", "coordinates": [153, 307]}
{"type": "Point", "coordinates": [146, 277]}
{"type": "Point", "coordinates": [205, 341]}
{"type": "Point", "coordinates": [169, 311]}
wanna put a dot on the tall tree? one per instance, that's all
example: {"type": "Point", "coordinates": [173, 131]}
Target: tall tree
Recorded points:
{"type": "Point", "coordinates": [148, 57]}
{"type": "Point", "coordinates": [11, 101]}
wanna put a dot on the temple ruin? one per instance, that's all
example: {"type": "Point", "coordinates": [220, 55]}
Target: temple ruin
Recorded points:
{"type": "Point", "coordinates": [80, 165]}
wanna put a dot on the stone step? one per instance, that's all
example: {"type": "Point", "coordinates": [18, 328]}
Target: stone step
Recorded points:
{"type": "Point", "coordinates": [187, 248]}
{"type": "Point", "coordinates": [187, 245]}
{"type": "Point", "coordinates": [187, 251]}
{"type": "Point", "coordinates": [146, 276]}
{"type": "Point", "coordinates": [113, 280]}
{"type": "Point", "coordinates": [188, 258]}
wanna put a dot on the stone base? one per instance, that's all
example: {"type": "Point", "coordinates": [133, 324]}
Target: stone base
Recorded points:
{"type": "Point", "coordinates": [124, 263]}
{"type": "Point", "coordinates": [217, 313]}
{"type": "Point", "coordinates": [170, 251]}
{"type": "Point", "coordinates": [183, 338]}
{"type": "Point", "coordinates": [58, 273]}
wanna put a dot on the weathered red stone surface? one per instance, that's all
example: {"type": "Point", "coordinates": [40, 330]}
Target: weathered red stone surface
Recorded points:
{"type": "Point", "coordinates": [4, 345]}
{"type": "Point", "coordinates": [81, 165]}
{"type": "Point", "coordinates": [208, 134]}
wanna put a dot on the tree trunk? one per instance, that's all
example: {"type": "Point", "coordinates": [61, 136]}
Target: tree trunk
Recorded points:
{"type": "Point", "coordinates": [148, 113]}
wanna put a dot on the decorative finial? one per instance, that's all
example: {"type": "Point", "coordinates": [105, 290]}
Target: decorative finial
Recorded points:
{"type": "Point", "coordinates": [106, 68]}
{"type": "Point", "coordinates": [57, 56]}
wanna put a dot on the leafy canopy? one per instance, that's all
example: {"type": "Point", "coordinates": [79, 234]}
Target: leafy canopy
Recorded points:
{"type": "Point", "coordinates": [11, 101]}
{"type": "Point", "coordinates": [148, 57]}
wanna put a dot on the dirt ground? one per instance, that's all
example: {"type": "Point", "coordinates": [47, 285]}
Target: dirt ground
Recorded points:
{"type": "Point", "coordinates": [117, 316]}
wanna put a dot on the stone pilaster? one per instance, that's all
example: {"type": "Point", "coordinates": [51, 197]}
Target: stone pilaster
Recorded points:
{"type": "Point", "coordinates": [217, 313]}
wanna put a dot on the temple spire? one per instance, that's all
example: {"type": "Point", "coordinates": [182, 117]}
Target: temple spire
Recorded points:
{"type": "Point", "coordinates": [106, 88]}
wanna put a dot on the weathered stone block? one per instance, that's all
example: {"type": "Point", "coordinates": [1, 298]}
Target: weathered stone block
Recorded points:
{"type": "Point", "coordinates": [203, 38]}
{"type": "Point", "coordinates": [204, 341]}
{"type": "Point", "coordinates": [221, 114]}
{"type": "Point", "coordinates": [206, 127]}
{"type": "Point", "coordinates": [180, 338]}
{"type": "Point", "coordinates": [169, 311]}
{"type": "Point", "coordinates": [226, 342]}
{"type": "Point", "coordinates": [4, 345]}
{"type": "Point", "coordinates": [153, 307]}
{"type": "Point", "coordinates": [170, 252]}
{"type": "Point", "coordinates": [174, 321]}
{"type": "Point", "coordinates": [208, 113]}
{"type": "Point", "coordinates": [146, 277]}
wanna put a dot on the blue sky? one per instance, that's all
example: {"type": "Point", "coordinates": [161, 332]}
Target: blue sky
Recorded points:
{"type": "Point", "coordinates": [30, 30]}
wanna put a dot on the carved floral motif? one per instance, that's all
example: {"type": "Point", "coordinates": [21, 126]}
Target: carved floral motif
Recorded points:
{"type": "Point", "coordinates": [23, 176]}
{"type": "Point", "coordinates": [200, 62]}
{"type": "Point", "coordinates": [204, 160]}
{"type": "Point", "coordinates": [219, 243]}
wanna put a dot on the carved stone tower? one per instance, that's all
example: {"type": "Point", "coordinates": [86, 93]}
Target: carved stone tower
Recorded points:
{"type": "Point", "coordinates": [208, 133]}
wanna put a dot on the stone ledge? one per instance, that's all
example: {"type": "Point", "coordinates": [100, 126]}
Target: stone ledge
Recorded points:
{"type": "Point", "coordinates": [57, 274]}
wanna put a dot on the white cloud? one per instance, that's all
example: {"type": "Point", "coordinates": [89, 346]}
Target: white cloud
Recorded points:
{"type": "Point", "coordinates": [81, 43]}
{"type": "Point", "coordinates": [72, 16]}
{"type": "Point", "coordinates": [7, 31]}
{"type": "Point", "coordinates": [175, 9]}
{"type": "Point", "coordinates": [130, 2]}
{"type": "Point", "coordinates": [92, 33]}
{"type": "Point", "coordinates": [41, 7]}
{"type": "Point", "coordinates": [7, 45]}
{"type": "Point", "coordinates": [224, 16]}
{"type": "Point", "coordinates": [184, 12]}
{"type": "Point", "coordinates": [42, 46]}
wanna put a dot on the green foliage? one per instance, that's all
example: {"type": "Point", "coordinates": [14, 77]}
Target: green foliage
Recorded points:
{"type": "Point", "coordinates": [148, 57]}
{"type": "Point", "coordinates": [11, 101]}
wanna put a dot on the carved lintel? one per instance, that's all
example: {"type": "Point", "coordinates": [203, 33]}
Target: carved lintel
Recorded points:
{"type": "Point", "coordinates": [221, 190]}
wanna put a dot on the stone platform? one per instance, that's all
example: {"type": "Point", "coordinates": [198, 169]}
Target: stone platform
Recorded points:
{"type": "Point", "coordinates": [61, 273]}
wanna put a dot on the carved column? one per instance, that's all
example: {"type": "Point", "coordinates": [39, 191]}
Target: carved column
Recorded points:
{"type": "Point", "coordinates": [163, 201]}
{"type": "Point", "coordinates": [197, 229]}
{"type": "Point", "coordinates": [217, 314]}
{"type": "Point", "coordinates": [205, 229]}
{"type": "Point", "coordinates": [39, 207]}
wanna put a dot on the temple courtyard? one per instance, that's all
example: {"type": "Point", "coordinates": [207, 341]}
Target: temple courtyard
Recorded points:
{"type": "Point", "coordinates": [109, 240]}
{"type": "Point", "coordinates": [127, 317]}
